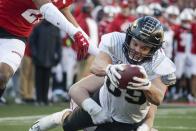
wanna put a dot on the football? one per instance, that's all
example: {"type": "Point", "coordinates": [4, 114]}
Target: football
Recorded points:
{"type": "Point", "coordinates": [127, 75]}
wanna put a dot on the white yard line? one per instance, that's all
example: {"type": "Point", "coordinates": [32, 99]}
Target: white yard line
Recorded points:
{"type": "Point", "coordinates": [19, 118]}
{"type": "Point", "coordinates": [3, 119]}
{"type": "Point", "coordinates": [175, 111]}
{"type": "Point", "coordinates": [177, 127]}
{"type": "Point", "coordinates": [176, 117]}
{"type": "Point", "coordinates": [26, 119]}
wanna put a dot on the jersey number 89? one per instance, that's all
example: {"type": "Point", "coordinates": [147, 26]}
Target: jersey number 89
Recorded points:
{"type": "Point", "coordinates": [132, 96]}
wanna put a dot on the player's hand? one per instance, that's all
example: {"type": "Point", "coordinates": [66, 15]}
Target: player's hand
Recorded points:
{"type": "Point", "coordinates": [143, 127]}
{"type": "Point", "coordinates": [113, 74]}
{"type": "Point", "coordinates": [140, 83]}
{"type": "Point", "coordinates": [101, 117]}
{"type": "Point", "coordinates": [98, 115]}
{"type": "Point", "coordinates": [82, 45]}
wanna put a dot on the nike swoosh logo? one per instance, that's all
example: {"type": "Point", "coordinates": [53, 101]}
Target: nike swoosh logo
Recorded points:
{"type": "Point", "coordinates": [157, 38]}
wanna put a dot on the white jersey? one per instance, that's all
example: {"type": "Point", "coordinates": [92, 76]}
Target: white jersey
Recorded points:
{"type": "Point", "coordinates": [126, 106]}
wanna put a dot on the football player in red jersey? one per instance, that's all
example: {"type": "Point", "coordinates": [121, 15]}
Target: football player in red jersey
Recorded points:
{"type": "Point", "coordinates": [17, 18]}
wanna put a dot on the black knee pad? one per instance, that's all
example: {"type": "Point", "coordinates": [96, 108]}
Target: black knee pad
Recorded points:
{"type": "Point", "coordinates": [67, 125]}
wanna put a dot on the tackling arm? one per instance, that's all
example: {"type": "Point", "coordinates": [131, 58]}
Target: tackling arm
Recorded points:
{"type": "Point", "coordinates": [54, 16]}
{"type": "Point", "coordinates": [93, 82]}
{"type": "Point", "coordinates": [80, 94]}
{"type": "Point", "coordinates": [66, 12]}
{"type": "Point", "coordinates": [93, 50]}
{"type": "Point", "coordinates": [67, 23]}
{"type": "Point", "coordinates": [81, 90]}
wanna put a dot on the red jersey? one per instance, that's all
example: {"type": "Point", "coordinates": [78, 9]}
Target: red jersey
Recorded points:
{"type": "Point", "coordinates": [102, 28]}
{"type": "Point", "coordinates": [182, 37]}
{"type": "Point", "coordinates": [193, 47]}
{"type": "Point", "coordinates": [18, 16]}
{"type": "Point", "coordinates": [28, 50]}
{"type": "Point", "coordinates": [120, 23]}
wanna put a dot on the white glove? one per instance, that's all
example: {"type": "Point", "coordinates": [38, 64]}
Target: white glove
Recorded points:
{"type": "Point", "coordinates": [141, 83]}
{"type": "Point", "coordinates": [143, 127]}
{"type": "Point", "coordinates": [101, 117]}
{"type": "Point", "coordinates": [98, 115]}
{"type": "Point", "coordinates": [113, 74]}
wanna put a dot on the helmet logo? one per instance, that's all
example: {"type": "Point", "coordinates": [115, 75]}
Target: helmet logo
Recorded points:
{"type": "Point", "coordinates": [149, 26]}
{"type": "Point", "coordinates": [157, 38]}
{"type": "Point", "coordinates": [134, 25]}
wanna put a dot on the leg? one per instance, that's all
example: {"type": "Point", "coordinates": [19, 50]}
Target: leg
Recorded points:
{"type": "Point", "coordinates": [78, 119]}
{"type": "Point", "coordinates": [180, 66]}
{"type": "Point", "coordinates": [71, 121]}
{"type": "Point", "coordinates": [26, 78]}
{"type": "Point", "coordinates": [193, 85]}
{"type": "Point", "coordinates": [6, 72]}
{"type": "Point", "coordinates": [50, 121]}
{"type": "Point", "coordinates": [45, 85]}
{"type": "Point", "coordinates": [116, 126]}
{"type": "Point", "coordinates": [12, 51]}
{"type": "Point", "coordinates": [23, 78]}
{"type": "Point", "coordinates": [31, 81]}
{"type": "Point", "coordinates": [38, 83]}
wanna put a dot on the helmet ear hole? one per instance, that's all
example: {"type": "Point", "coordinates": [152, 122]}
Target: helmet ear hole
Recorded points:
{"type": "Point", "coordinates": [148, 30]}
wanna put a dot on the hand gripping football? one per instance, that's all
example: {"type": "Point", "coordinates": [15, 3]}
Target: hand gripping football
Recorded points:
{"type": "Point", "coordinates": [127, 75]}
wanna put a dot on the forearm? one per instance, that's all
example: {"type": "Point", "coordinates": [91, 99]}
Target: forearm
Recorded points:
{"type": "Point", "coordinates": [82, 89]}
{"type": "Point", "coordinates": [78, 95]}
{"type": "Point", "coordinates": [66, 12]}
{"type": "Point", "coordinates": [154, 95]}
{"type": "Point", "coordinates": [55, 17]}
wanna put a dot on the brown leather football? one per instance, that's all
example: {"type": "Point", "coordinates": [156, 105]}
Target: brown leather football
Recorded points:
{"type": "Point", "coordinates": [127, 75]}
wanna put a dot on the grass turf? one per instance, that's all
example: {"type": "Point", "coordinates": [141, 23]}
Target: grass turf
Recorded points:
{"type": "Point", "coordinates": [169, 117]}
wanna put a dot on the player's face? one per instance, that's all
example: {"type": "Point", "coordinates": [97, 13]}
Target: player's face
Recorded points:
{"type": "Point", "coordinates": [186, 24]}
{"type": "Point", "coordinates": [138, 50]}
{"type": "Point", "coordinates": [172, 18]}
{"type": "Point", "coordinates": [125, 11]}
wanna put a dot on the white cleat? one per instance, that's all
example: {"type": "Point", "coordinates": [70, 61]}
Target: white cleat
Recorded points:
{"type": "Point", "coordinates": [35, 127]}
{"type": "Point", "coordinates": [50, 121]}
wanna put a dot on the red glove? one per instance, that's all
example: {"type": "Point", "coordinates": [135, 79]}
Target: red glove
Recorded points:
{"type": "Point", "coordinates": [82, 45]}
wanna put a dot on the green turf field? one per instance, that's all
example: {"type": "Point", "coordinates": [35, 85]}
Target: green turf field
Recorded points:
{"type": "Point", "coordinates": [169, 117]}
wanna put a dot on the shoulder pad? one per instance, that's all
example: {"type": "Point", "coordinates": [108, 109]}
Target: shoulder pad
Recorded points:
{"type": "Point", "coordinates": [165, 67]}
{"type": "Point", "coordinates": [169, 79]}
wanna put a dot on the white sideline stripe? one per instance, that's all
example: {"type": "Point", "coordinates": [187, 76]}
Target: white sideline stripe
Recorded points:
{"type": "Point", "coordinates": [175, 117]}
{"type": "Point", "coordinates": [39, 116]}
{"type": "Point", "coordinates": [2, 119]}
{"type": "Point", "coordinates": [176, 127]}
{"type": "Point", "coordinates": [175, 111]}
{"type": "Point", "coordinates": [22, 118]}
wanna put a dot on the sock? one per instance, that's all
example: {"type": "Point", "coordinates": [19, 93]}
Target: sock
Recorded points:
{"type": "Point", "coordinates": [64, 84]}
{"type": "Point", "coordinates": [188, 84]}
{"type": "Point", "coordinates": [1, 91]}
{"type": "Point", "coordinates": [52, 121]}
